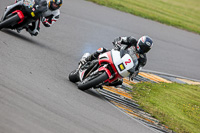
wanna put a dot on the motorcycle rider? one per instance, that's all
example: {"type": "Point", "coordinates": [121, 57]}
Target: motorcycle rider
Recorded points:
{"type": "Point", "coordinates": [141, 47]}
{"type": "Point", "coordinates": [49, 17]}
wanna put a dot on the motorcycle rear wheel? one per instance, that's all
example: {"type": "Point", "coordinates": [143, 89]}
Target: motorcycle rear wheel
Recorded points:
{"type": "Point", "coordinates": [93, 82]}
{"type": "Point", "coordinates": [73, 76]}
{"type": "Point", "coordinates": [7, 22]}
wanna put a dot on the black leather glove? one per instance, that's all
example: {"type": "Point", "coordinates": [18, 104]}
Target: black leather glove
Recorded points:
{"type": "Point", "coordinates": [117, 43]}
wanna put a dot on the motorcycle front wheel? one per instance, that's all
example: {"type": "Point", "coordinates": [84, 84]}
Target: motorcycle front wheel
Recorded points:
{"type": "Point", "coordinates": [93, 82]}
{"type": "Point", "coordinates": [73, 76]}
{"type": "Point", "coordinates": [9, 21]}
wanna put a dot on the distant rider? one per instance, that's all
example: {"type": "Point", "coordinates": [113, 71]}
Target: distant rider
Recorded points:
{"type": "Point", "coordinates": [48, 19]}
{"type": "Point", "coordinates": [141, 47]}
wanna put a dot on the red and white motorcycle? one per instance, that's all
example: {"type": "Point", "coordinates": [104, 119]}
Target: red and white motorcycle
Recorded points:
{"type": "Point", "coordinates": [109, 67]}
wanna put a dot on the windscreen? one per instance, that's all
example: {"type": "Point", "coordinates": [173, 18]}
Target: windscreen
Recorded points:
{"type": "Point", "coordinates": [131, 51]}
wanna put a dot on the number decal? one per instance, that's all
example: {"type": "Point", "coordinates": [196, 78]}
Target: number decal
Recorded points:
{"type": "Point", "coordinates": [129, 61]}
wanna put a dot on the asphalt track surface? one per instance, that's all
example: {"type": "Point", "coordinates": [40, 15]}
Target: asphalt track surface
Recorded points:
{"type": "Point", "coordinates": [35, 93]}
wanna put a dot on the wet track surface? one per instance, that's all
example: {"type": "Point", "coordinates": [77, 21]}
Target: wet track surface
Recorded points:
{"type": "Point", "coordinates": [35, 94]}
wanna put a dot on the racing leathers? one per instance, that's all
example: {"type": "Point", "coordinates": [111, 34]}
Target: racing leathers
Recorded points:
{"type": "Point", "coordinates": [125, 42]}
{"type": "Point", "coordinates": [128, 42]}
{"type": "Point", "coordinates": [48, 19]}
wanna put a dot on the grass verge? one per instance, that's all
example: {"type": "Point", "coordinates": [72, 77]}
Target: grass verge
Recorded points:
{"type": "Point", "coordinates": [184, 14]}
{"type": "Point", "coordinates": [175, 105]}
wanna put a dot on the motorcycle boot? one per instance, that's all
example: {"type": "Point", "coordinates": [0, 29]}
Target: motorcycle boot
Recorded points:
{"type": "Point", "coordinates": [94, 56]}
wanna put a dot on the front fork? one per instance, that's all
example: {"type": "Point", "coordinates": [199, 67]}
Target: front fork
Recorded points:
{"type": "Point", "coordinates": [104, 68]}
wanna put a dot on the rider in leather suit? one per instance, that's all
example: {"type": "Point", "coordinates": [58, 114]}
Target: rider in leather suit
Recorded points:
{"type": "Point", "coordinates": [48, 19]}
{"type": "Point", "coordinates": [141, 47]}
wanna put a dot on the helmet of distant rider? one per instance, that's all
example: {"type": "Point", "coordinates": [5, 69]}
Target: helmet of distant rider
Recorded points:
{"type": "Point", "coordinates": [55, 4]}
{"type": "Point", "coordinates": [144, 44]}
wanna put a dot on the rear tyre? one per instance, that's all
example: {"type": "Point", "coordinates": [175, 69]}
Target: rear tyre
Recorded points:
{"type": "Point", "coordinates": [9, 21]}
{"type": "Point", "coordinates": [73, 76]}
{"type": "Point", "coordinates": [93, 82]}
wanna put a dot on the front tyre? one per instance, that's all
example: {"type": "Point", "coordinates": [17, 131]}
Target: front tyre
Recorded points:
{"type": "Point", "coordinates": [93, 82]}
{"type": "Point", "coordinates": [73, 76]}
{"type": "Point", "coordinates": [9, 21]}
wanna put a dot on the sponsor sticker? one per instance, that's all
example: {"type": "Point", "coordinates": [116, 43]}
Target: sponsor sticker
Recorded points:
{"type": "Point", "coordinates": [29, 3]}
{"type": "Point", "coordinates": [32, 14]}
{"type": "Point", "coordinates": [121, 67]}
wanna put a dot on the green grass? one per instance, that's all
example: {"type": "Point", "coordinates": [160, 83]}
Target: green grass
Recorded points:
{"type": "Point", "coordinates": [175, 105]}
{"type": "Point", "coordinates": [184, 14]}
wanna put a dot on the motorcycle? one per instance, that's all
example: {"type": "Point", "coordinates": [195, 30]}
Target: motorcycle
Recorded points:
{"type": "Point", "coordinates": [109, 67]}
{"type": "Point", "coordinates": [20, 14]}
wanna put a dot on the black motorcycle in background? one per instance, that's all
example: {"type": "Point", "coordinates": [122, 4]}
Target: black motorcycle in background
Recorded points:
{"type": "Point", "coordinates": [19, 15]}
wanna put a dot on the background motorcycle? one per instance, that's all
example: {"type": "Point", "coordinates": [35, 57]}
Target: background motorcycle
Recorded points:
{"type": "Point", "coordinates": [20, 14]}
{"type": "Point", "coordinates": [109, 67]}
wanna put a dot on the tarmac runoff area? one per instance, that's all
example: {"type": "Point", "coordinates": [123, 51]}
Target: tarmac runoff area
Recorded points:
{"type": "Point", "coordinates": [121, 99]}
